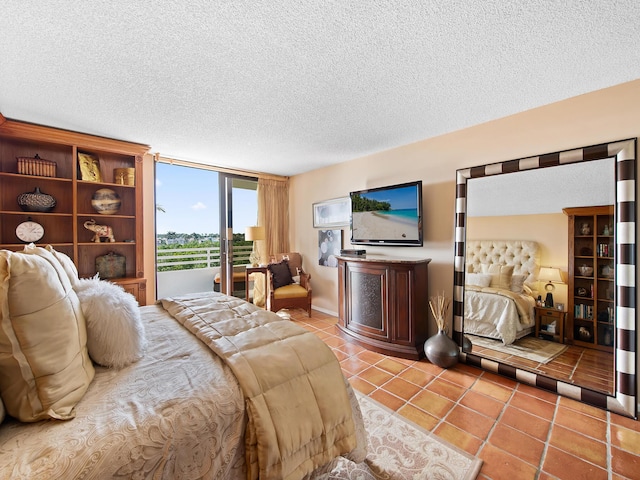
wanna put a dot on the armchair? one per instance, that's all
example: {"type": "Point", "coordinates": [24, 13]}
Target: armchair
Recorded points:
{"type": "Point", "coordinates": [289, 285]}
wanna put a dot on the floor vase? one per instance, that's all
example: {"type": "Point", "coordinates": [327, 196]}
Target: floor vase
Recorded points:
{"type": "Point", "coordinates": [441, 350]}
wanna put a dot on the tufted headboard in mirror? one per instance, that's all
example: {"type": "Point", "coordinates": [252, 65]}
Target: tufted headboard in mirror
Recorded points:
{"type": "Point", "coordinates": [524, 255]}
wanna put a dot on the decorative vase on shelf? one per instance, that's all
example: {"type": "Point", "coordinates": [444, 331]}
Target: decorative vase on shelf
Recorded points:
{"type": "Point", "coordinates": [441, 350]}
{"type": "Point", "coordinates": [106, 201]}
{"type": "Point", "coordinates": [36, 201]}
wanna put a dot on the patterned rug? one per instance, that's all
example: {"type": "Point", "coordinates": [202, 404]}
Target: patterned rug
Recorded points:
{"type": "Point", "coordinates": [399, 449]}
{"type": "Point", "coordinates": [531, 348]}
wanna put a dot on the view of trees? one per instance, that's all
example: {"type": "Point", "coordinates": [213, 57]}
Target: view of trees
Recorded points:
{"type": "Point", "coordinates": [361, 204]}
{"type": "Point", "coordinates": [196, 250]}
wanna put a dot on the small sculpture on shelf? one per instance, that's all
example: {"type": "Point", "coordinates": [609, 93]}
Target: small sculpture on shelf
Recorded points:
{"type": "Point", "coordinates": [585, 229]}
{"type": "Point", "coordinates": [100, 231]}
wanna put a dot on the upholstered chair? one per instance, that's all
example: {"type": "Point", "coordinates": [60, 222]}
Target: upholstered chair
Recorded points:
{"type": "Point", "coordinates": [289, 285]}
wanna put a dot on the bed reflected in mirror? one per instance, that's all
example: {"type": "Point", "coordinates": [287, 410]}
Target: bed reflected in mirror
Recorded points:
{"type": "Point", "coordinates": [510, 223]}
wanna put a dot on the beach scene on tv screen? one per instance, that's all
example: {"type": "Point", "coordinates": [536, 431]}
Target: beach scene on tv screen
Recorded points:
{"type": "Point", "coordinates": [388, 214]}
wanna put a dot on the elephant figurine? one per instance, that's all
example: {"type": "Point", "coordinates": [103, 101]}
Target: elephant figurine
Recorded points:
{"type": "Point", "coordinates": [100, 231]}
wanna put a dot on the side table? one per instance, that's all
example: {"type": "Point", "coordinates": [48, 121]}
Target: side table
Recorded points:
{"type": "Point", "coordinates": [544, 318]}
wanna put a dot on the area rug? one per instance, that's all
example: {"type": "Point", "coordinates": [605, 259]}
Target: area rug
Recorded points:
{"type": "Point", "coordinates": [401, 450]}
{"type": "Point", "coordinates": [531, 348]}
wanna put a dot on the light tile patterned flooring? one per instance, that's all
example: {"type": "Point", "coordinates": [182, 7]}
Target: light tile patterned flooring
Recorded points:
{"type": "Point", "coordinates": [518, 431]}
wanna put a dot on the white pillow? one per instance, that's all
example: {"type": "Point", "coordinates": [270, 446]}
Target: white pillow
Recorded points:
{"type": "Point", "coordinates": [477, 279]}
{"type": "Point", "coordinates": [115, 333]}
{"type": "Point", "coordinates": [517, 283]}
{"type": "Point", "coordinates": [501, 275]}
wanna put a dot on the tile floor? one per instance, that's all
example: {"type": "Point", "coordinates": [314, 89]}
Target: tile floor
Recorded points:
{"type": "Point", "coordinates": [584, 366]}
{"type": "Point", "coordinates": [518, 431]}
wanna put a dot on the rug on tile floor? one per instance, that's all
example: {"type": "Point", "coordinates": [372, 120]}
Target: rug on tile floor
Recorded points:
{"type": "Point", "coordinates": [531, 348]}
{"type": "Point", "coordinates": [400, 449]}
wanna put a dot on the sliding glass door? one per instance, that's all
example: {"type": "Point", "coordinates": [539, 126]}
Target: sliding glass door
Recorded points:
{"type": "Point", "coordinates": [201, 215]}
{"type": "Point", "coordinates": [238, 201]}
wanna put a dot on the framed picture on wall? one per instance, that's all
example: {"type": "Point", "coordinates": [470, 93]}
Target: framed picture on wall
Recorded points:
{"type": "Point", "coordinates": [329, 246]}
{"type": "Point", "coordinates": [332, 213]}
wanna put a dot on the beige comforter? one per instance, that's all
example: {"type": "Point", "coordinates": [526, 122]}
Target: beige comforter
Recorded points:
{"type": "Point", "coordinates": [178, 413]}
{"type": "Point", "coordinates": [299, 411]}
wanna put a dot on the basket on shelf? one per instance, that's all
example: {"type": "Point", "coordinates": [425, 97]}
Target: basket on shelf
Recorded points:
{"type": "Point", "coordinates": [36, 166]}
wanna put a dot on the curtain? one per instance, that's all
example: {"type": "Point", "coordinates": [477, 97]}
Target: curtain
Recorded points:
{"type": "Point", "coordinates": [273, 214]}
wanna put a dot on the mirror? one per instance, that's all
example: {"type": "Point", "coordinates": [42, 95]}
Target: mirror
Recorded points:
{"type": "Point", "coordinates": [545, 174]}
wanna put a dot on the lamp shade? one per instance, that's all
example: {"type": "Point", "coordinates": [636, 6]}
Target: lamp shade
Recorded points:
{"type": "Point", "coordinates": [254, 233]}
{"type": "Point", "coordinates": [550, 274]}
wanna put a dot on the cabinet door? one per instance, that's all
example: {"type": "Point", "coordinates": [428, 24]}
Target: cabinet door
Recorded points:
{"type": "Point", "coordinates": [402, 280]}
{"type": "Point", "coordinates": [366, 300]}
{"type": "Point", "coordinates": [134, 286]}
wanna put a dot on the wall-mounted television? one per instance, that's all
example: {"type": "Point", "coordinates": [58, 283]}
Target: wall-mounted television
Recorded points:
{"type": "Point", "coordinates": [390, 215]}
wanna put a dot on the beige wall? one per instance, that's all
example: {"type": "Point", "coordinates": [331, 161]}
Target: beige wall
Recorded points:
{"type": "Point", "coordinates": [598, 117]}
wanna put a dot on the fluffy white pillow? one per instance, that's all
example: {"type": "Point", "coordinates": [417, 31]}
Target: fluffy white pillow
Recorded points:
{"type": "Point", "coordinates": [477, 279]}
{"type": "Point", "coordinates": [115, 333]}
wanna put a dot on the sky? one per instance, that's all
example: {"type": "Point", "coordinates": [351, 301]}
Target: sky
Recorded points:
{"type": "Point", "coordinates": [189, 197]}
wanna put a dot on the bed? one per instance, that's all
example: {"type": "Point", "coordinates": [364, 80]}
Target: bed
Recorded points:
{"type": "Point", "coordinates": [500, 288]}
{"type": "Point", "coordinates": [198, 386]}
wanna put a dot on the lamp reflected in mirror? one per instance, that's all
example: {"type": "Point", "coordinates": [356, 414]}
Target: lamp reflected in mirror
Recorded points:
{"type": "Point", "coordinates": [552, 276]}
{"type": "Point", "coordinates": [254, 234]}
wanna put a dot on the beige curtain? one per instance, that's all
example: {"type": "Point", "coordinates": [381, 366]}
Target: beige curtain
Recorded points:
{"type": "Point", "coordinates": [273, 214]}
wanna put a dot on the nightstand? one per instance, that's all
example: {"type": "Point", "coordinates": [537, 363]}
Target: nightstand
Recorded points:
{"type": "Point", "coordinates": [545, 317]}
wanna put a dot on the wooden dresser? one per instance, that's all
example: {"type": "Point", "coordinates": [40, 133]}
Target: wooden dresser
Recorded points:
{"type": "Point", "coordinates": [383, 303]}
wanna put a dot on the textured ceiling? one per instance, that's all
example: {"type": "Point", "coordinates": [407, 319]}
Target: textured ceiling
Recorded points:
{"type": "Point", "coordinates": [290, 86]}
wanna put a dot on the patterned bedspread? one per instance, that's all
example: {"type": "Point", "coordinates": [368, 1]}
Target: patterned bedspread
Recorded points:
{"type": "Point", "coordinates": [179, 413]}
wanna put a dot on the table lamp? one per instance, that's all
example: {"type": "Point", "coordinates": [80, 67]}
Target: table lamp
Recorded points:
{"type": "Point", "coordinates": [550, 275]}
{"type": "Point", "coordinates": [252, 234]}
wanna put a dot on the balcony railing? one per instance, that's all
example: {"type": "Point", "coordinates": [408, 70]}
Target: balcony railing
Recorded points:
{"type": "Point", "coordinates": [190, 270]}
{"type": "Point", "coordinates": [200, 257]}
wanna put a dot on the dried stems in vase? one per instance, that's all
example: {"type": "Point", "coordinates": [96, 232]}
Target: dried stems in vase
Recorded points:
{"type": "Point", "coordinates": [439, 307]}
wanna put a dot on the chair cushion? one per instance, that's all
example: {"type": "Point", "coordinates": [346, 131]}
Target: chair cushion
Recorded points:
{"type": "Point", "coordinates": [237, 277]}
{"type": "Point", "coordinates": [281, 274]}
{"type": "Point", "coordinates": [290, 291]}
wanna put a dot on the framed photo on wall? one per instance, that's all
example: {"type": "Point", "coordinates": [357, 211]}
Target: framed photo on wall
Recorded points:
{"type": "Point", "coordinates": [329, 246]}
{"type": "Point", "coordinates": [332, 213]}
